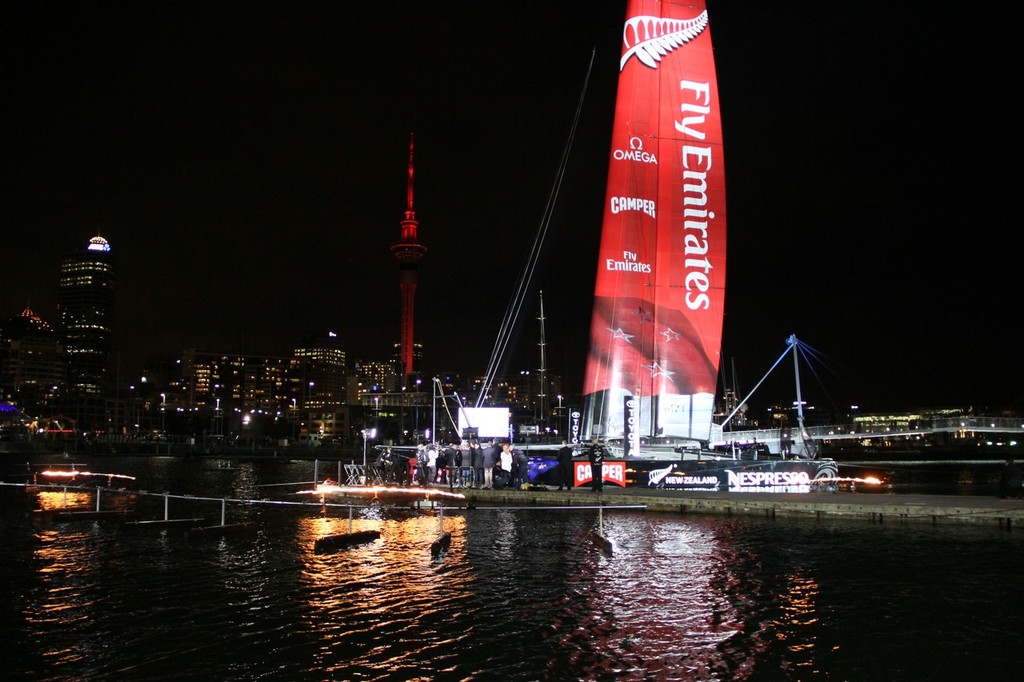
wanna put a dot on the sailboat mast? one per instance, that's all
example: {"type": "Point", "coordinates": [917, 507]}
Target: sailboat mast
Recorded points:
{"type": "Point", "coordinates": [543, 366]}
{"type": "Point", "coordinates": [796, 371]}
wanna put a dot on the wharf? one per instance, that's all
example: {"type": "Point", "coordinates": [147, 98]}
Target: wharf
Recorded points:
{"type": "Point", "coordinates": [878, 508]}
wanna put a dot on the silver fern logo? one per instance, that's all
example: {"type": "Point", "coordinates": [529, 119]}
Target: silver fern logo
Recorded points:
{"type": "Point", "coordinates": [656, 476]}
{"type": "Point", "coordinates": [651, 38]}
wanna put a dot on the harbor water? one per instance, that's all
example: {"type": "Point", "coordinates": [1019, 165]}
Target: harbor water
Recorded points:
{"type": "Point", "coordinates": [521, 594]}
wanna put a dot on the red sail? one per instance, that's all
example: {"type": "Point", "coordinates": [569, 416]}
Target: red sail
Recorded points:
{"type": "Point", "coordinates": [658, 302]}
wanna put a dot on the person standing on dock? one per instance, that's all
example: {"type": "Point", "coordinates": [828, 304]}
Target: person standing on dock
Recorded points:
{"type": "Point", "coordinates": [565, 466]}
{"type": "Point", "coordinates": [477, 461]}
{"type": "Point", "coordinates": [521, 467]}
{"type": "Point", "coordinates": [463, 465]}
{"type": "Point", "coordinates": [431, 476]}
{"type": "Point", "coordinates": [504, 477]}
{"type": "Point", "coordinates": [421, 465]}
{"type": "Point", "coordinates": [596, 456]}
{"type": "Point", "coordinates": [490, 461]}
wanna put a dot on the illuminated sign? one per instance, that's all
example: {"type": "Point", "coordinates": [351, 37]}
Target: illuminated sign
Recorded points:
{"type": "Point", "coordinates": [611, 472]}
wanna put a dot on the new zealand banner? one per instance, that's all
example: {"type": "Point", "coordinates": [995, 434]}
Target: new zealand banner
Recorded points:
{"type": "Point", "coordinates": [656, 327]}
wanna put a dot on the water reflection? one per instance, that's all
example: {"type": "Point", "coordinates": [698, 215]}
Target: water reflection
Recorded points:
{"type": "Point", "coordinates": [370, 605]}
{"type": "Point", "coordinates": [653, 607]}
{"type": "Point", "coordinates": [520, 595]}
{"type": "Point", "coordinates": [61, 499]}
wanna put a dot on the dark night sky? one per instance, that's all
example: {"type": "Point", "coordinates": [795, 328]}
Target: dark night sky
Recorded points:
{"type": "Point", "coordinates": [247, 161]}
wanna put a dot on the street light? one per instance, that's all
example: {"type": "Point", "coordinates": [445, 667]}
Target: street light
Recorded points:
{"type": "Point", "coordinates": [131, 410]}
{"type": "Point", "coordinates": [367, 434]}
{"type": "Point", "coordinates": [560, 414]}
{"type": "Point", "coordinates": [416, 407]}
{"type": "Point", "coordinates": [433, 404]}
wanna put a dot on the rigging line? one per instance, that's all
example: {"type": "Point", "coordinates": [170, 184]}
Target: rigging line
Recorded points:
{"type": "Point", "coordinates": [758, 385]}
{"type": "Point", "coordinates": [516, 304]}
{"type": "Point", "coordinates": [444, 401]}
{"type": "Point", "coordinates": [808, 355]}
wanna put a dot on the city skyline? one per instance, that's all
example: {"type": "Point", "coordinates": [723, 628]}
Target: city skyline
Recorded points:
{"type": "Point", "coordinates": [249, 168]}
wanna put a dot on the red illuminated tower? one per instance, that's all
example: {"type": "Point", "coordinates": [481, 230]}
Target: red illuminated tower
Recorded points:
{"type": "Point", "coordinates": [409, 252]}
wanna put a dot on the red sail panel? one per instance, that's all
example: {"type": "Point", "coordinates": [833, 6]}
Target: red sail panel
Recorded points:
{"type": "Point", "coordinates": [658, 302]}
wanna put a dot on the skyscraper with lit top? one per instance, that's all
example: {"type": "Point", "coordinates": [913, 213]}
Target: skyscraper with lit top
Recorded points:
{"type": "Point", "coordinates": [409, 253]}
{"type": "Point", "coordinates": [85, 304]}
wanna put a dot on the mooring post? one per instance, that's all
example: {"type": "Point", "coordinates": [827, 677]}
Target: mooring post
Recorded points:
{"type": "Point", "coordinates": [167, 502]}
{"type": "Point", "coordinates": [316, 471]}
{"type": "Point", "coordinates": [350, 519]}
{"type": "Point", "coordinates": [97, 498]}
{"type": "Point", "coordinates": [223, 511]}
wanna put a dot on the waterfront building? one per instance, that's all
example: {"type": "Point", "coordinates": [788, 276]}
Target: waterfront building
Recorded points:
{"type": "Point", "coordinates": [324, 359]}
{"type": "Point", "coordinates": [259, 396]}
{"type": "Point", "coordinates": [32, 369]}
{"type": "Point", "coordinates": [370, 377]}
{"type": "Point", "coordinates": [408, 379]}
{"type": "Point", "coordinates": [247, 382]}
{"type": "Point", "coordinates": [85, 302]}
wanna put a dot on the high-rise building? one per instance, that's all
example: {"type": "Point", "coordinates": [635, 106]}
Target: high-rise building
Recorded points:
{"type": "Point", "coordinates": [85, 303]}
{"type": "Point", "coordinates": [32, 367]}
{"type": "Point", "coordinates": [409, 253]}
{"type": "Point", "coordinates": [324, 359]}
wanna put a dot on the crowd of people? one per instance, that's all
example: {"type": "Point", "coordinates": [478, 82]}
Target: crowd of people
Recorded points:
{"type": "Point", "coordinates": [469, 464]}
{"type": "Point", "coordinates": [472, 464]}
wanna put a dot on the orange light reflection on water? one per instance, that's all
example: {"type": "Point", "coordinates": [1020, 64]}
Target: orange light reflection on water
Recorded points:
{"type": "Point", "coordinates": [56, 500]}
{"type": "Point", "coordinates": [357, 592]}
{"type": "Point", "coordinates": [64, 559]}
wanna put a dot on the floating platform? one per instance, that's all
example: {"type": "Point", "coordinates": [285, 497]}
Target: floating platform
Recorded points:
{"type": "Point", "coordinates": [441, 544]}
{"type": "Point", "coordinates": [604, 544]}
{"type": "Point", "coordinates": [332, 543]}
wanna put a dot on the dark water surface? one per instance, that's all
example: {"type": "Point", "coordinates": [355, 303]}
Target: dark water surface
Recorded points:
{"type": "Point", "coordinates": [520, 595]}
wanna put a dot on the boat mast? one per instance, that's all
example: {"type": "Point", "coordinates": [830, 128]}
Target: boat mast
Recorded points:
{"type": "Point", "coordinates": [808, 447]}
{"type": "Point", "coordinates": [796, 370]}
{"type": "Point", "coordinates": [543, 366]}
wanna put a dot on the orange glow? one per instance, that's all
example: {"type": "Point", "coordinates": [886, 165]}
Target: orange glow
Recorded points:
{"type": "Point", "coordinates": [50, 500]}
{"type": "Point", "coordinates": [72, 473]}
{"type": "Point", "coordinates": [383, 491]}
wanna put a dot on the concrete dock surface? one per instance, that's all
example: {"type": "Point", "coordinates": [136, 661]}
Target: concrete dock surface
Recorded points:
{"type": "Point", "coordinates": [875, 507]}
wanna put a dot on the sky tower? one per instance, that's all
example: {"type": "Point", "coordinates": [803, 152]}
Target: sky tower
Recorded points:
{"type": "Point", "coordinates": [409, 252]}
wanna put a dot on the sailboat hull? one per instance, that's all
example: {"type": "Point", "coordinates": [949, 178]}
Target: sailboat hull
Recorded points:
{"type": "Point", "coordinates": [698, 471]}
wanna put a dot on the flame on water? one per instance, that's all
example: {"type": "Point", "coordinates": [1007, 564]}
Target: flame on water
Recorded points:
{"type": "Point", "coordinates": [378, 491]}
{"type": "Point", "coordinates": [74, 473]}
{"type": "Point", "coordinates": [870, 480]}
